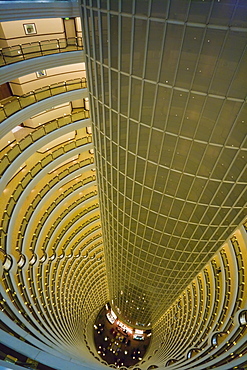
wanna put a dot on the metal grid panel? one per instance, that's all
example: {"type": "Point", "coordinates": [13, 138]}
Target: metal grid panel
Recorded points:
{"type": "Point", "coordinates": [169, 111]}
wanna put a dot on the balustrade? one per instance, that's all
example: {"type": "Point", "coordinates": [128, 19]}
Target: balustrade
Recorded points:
{"type": "Point", "coordinates": [17, 103]}
{"type": "Point", "coordinates": [17, 53]}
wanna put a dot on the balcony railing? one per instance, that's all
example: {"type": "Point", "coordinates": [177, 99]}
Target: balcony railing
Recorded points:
{"type": "Point", "coordinates": [19, 102]}
{"type": "Point", "coordinates": [37, 134]}
{"type": "Point", "coordinates": [17, 53]}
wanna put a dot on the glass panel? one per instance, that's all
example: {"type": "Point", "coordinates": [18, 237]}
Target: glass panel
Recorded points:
{"type": "Point", "coordinates": [43, 93]}
{"type": "Point", "coordinates": [189, 56]}
{"type": "Point", "coordinates": [31, 50]}
{"type": "Point", "coordinates": [104, 35]}
{"type": "Point", "coordinates": [13, 153]}
{"type": "Point", "coordinates": [12, 54]}
{"type": "Point", "coordinates": [136, 86]}
{"type": "Point", "coordinates": [64, 121]}
{"type": "Point", "coordinates": [161, 109]}
{"type": "Point", "coordinates": [222, 12]}
{"type": "Point", "coordinates": [50, 45]}
{"type": "Point", "coordinates": [210, 112]}
{"type": "Point", "coordinates": [173, 40]}
{"type": "Point", "coordinates": [210, 52]}
{"type": "Point", "coordinates": [199, 11]}
{"type": "Point", "coordinates": [159, 8]}
{"type": "Point", "coordinates": [50, 126]}
{"type": "Point", "coordinates": [114, 90]}
{"type": "Point", "coordinates": [38, 133]}
{"type": "Point", "coordinates": [235, 52]}
{"type": "Point", "coordinates": [147, 102]}
{"type": "Point", "coordinates": [191, 117]}
{"type": "Point", "coordinates": [24, 143]}
{"type": "Point", "coordinates": [139, 46]}
{"type": "Point", "coordinates": [106, 84]}
{"type": "Point", "coordinates": [58, 88]}
{"type": "Point", "coordinates": [125, 43]}
{"type": "Point", "coordinates": [154, 50]}
{"type": "Point", "coordinates": [179, 9]}
{"type": "Point", "coordinates": [141, 7]}
{"type": "Point", "coordinates": [78, 115]}
{"type": "Point", "coordinates": [114, 40]}
{"type": "Point", "coordinates": [155, 145]}
{"type": "Point", "coordinates": [124, 83]}
{"type": "Point", "coordinates": [73, 84]}
{"type": "Point", "coordinates": [12, 107]}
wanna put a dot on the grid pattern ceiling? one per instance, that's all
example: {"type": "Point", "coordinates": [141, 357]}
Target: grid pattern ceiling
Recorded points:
{"type": "Point", "coordinates": [168, 94]}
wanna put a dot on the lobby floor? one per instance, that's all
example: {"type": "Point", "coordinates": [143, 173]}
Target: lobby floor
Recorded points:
{"type": "Point", "coordinates": [116, 347]}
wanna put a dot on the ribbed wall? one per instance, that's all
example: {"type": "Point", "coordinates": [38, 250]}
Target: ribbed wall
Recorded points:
{"type": "Point", "coordinates": [167, 82]}
{"type": "Point", "coordinates": [202, 328]}
{"type": "Point", "coordinates": [54, 276]}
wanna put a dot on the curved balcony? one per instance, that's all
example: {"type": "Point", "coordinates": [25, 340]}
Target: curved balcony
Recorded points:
{"type": "Point", "coordinates": [212, 305]}
{"type": "Point", "coordinates": [18, 53]}
{"type": "Point", "coordinates": [20, 102]}
{"type": "Point", "coordinates": [82, 229]}
{"type": "Point", "coordinates": [20, 108]}
{"type": "Point", "coordinates": [12, 155]}
{"type": "Point", "coordinates": [16, 70]}
{"type": "Point", "coordinates": [22, 59]}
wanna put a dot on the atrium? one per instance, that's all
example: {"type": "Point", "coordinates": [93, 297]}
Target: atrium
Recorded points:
{"type": "Point", "coordinates": [123, 184]}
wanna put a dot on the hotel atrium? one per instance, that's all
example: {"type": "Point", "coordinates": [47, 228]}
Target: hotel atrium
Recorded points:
{"type": "Point", "coordinates": [123, 184]}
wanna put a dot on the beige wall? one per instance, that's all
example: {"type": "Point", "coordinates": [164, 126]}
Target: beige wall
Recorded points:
{"type": "Point", "coordinates": [31, 82]}
{"type": "Point", "coordinates": [49, 115]}
{"type": "Point", "coordinates": [60, 140]}
{"type": "Point", "coordinates": [13, 32]}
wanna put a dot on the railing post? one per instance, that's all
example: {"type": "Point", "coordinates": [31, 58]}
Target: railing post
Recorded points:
{"type": "Point", "coordinates": [4, 111]}
{"type": "Point", "coordinates": [40, 47]}
{"type": "Point", "coordinates": [22, 53]}
{"type": "Point", "coordinates": [2, 54]}
{"type": "Point", "coordinates": [34, 94]}
{"type": "Point", "coordinates": [77, 45]}
{"type": "Point", "coordinates": [18, 99]}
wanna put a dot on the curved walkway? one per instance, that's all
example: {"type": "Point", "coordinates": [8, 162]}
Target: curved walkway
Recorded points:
{"type": "Point", "coordinates": [19, 102]}
{"type": "Point", "coordinates": [17, 53]}
{"type": "Point", "coordinates": [10, 72]}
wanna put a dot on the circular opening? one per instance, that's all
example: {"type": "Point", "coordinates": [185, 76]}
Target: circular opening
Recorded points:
{"type": "Point", "coordinates": [117, 343]}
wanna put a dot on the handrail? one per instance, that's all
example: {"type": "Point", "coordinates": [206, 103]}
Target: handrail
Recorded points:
{"type": "Point", "coordinates": [17, 53]}
{"type": "Point", "coordinates": [30, 175]}
{"type": "Point", "coordinates": [19, 102]}
{"type": "Point", "coordinates": [40, 132]}
{"type": "Point", "coordinates": [81, 214]}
